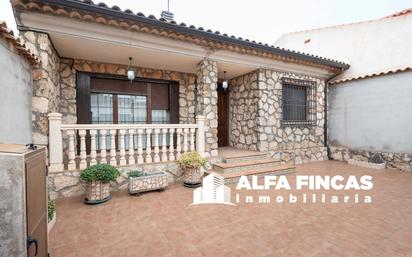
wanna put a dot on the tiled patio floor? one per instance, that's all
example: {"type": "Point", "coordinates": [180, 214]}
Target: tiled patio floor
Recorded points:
{"type": "Point", "coordinates": [163, 224]}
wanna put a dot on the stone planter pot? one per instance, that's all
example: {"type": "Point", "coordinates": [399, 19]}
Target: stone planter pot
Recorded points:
{"type": "Point", "coordinates": [192, 177]}
{"type": "Point", "coordinates": [149, 182]}
{"type": "Point", "coordinates": [97, 192]}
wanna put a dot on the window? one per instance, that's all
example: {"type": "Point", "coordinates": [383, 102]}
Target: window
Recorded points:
{"type": "Point", "coordinates": [105, 99]}
{"type": "Point", "coordinates": [298, 102]}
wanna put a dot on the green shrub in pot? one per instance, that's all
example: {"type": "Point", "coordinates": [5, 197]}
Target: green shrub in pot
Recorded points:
{"type": "Point", "coordinates": [97, 178]}
{"type": "Point", "coordinates": [191, 163]}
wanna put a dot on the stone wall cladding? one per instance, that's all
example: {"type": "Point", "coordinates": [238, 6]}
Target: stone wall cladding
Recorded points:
{"type": "Point", "coordinates": [402, 161]}
{"type": "Point", "coordinates": [207, 81]}
{"type": "Point", "coordinates": [67, 184]}
{"type": "Point", "coordinates": [265, 132]}
{"type": "Point", "coordinates": [243, 110]}
{"type": "Point", "coordinates": [46, 83]}
{"type": "Point", "coordinates": [68, 106]}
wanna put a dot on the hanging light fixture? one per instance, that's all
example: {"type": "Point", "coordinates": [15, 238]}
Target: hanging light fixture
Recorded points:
{"type": "Point", "coordinates": [225, 83]}
{"type": "Point", "coordinates": [130, 71]}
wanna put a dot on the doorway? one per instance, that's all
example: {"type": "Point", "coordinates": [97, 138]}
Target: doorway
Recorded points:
{"type": "Point", "coordinates": [223, 118]}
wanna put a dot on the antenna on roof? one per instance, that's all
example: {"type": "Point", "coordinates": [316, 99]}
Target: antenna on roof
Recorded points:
{"type": "Point", "coordinates": [167, 15]}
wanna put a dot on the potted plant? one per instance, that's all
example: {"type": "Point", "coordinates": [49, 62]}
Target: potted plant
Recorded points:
{"type": "Point", "coordinates": [191, 163]}
{"type": "Point", "coordinates": [142, 182]}
{"type": "Point", "coordinates": [97, 179]}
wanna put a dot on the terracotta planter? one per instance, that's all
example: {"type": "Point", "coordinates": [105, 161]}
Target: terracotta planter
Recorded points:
{"type": "Point", "coordinates": [97, 192]}
{"type": "Point", "coordinates": [193, 177]}
{"type": "Point", "coordinates": [149, 182]}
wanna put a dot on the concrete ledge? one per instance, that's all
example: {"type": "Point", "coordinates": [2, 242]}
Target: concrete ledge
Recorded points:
{"type": "Point", "coordinates": [51, 223]}
{"type": "Point", "coordinates": [376, 166]}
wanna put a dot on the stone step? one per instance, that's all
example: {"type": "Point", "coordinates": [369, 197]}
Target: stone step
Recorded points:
{"type": "Point", "coordinates": [231, 178]}
{"type": "Point", "coordinates": [243, 158]}
{"type": "Point", "coordinates": [245, 165]}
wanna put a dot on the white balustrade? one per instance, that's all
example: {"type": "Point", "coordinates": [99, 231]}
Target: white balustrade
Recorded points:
{"type": "Point", "coordinates": [122, 151]}
{"type": "Point", "coordinates": [163, 142]}
{"type": "Point", "coordinates": [103, 151]}
{"type": "Point", "coordinates": [178, 142]}
{"type": "Point", "coordinates": [164, 147]}
{"type": "Point", "coordinates": [156, 146]}
{"type": "Point", "coordinates": [83, 163]}
{"type": "Point", "coordinates": [131, 147]}
{"type": "Point", "coordinates": [72, 163]}
{"type": "Point", "coordinates": [140, 146]}
{"type": "Point", "coordinates": [192, 139]}
{"type": "Point", "coordinates": [185, 143]}
{"type": "Point", "coordinates": [148, 145]}
{"type": "Point", "coordinates": [171, 147]}
{"type": "Point", "coordinates": [113, 160]}
{"type": "Point", "coordinates": [93, 153]}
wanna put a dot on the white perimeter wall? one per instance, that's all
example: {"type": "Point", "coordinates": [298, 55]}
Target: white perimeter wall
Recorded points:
{"type": "Point", "coordinates": [15, 97]}
{"type": "Point", "coordinates": [372, 114]}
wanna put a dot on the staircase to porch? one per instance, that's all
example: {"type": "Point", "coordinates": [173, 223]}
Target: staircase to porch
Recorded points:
{"type": "Point", "coordinates": [238, 162]}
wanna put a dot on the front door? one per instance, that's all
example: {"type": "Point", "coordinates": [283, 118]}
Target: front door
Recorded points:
{"type": "Point", "coordinates": [36, 202]}
{"type": "Point", "coordinates": [223, 118]}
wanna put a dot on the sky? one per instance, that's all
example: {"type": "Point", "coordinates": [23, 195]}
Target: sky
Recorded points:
{"type": "Point", "coordinates": [260, 20]}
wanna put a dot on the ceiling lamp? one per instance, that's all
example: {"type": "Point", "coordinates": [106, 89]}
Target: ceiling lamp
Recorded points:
{"type": "Point", "coordinates": [225, 83]}
{"type": "Point", "coordinates": [130, 71]}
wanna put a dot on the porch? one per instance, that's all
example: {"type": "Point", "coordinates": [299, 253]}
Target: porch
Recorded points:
{"type": "Point", "coordinates": [87, 110]}
{"type": "Point", "coordinates": [164, 224]}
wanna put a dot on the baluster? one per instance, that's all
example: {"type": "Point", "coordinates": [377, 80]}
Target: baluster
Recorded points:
{"type": "Point", "coordinates": [113, 147]}
{"type": "Point", "coordinates": [192, 139]}
{"type": "Point", "coordinates": [83, 162]}
{"type": "Point", "coordinates": [72, 163]}
{"type": "Point", "coordinates": [122, 151]}
{"type": "Point", "coordinates": [156, 145]}
{"type": "Point", "coordinates": [185, 143]}
{"type": "Point", "coordinates": [103, 151]}
{"type": "Point", "coordinates": [93, 133]}
{"type": "Point", "coordinates": [131, 147]}
{"type": "Point", "coordinates": [164, 147]}
{"type": "Point", "coordinates": [178, 141]}
{"type": "Point", "coordinates": [140, 146]}
{"type": "Point", "coordinates": [148, 145]}
{"type": "Point", "coordinates": [171, 147]}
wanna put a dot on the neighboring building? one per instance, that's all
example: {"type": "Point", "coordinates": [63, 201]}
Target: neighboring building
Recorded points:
{"type": "Point", "coordinates": [274, 103]}
{"type": "Point", "coordinates": [16, 89]}
{"type": "Point", "coordinates": [370, 104]}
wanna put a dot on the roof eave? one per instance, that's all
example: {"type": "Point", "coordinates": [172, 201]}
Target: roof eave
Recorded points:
{"type": "Point", "coordinates": [195, 32]}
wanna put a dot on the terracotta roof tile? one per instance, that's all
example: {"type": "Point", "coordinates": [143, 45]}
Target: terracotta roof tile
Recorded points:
{"type": "Point", "coordinates": [369, 75]}
{"type": "Point", "coordinates": [215, 34]}
{"type": "Point", "coordinates": [401, 13]}
{"type": "Point", "coordinates": [8, 34]}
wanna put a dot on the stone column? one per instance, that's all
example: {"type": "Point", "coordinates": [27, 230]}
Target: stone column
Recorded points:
{"type": "Point", "coordinates": [46, 83]}
{"type": "Point", "coordinates": [207, 99]}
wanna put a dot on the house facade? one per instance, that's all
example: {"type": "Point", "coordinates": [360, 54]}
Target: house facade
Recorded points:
{"type": "Point", "coordinates": [86, 110]}
{"type": "Point", "coordinates": [368, 103]}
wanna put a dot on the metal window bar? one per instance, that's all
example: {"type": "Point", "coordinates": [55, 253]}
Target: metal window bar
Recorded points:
{"type": "Point", "coordinates": [298, 102]}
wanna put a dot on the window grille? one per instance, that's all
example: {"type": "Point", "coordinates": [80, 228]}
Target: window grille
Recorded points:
{"type": "Point", "coordinates": [298, 102]}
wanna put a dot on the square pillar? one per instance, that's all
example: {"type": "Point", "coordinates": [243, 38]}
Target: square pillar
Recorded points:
{"type": "Point", "coordinates": [207, 103]}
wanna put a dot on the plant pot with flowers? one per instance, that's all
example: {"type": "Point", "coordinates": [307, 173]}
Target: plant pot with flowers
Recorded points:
{"type": "Point", "coordinates": [191, 163]}
{"type": "Point", "coordinates": [97, 182]}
